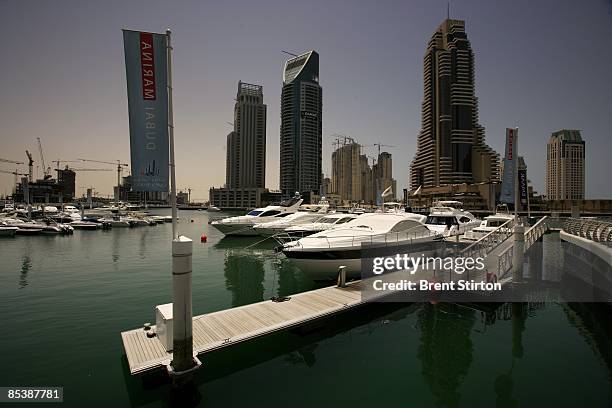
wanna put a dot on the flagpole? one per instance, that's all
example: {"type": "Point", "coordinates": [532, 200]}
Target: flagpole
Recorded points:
{"type": "Point", "coordinates": [183, 363]}
{"type": "Point", "coordinates": [171, 137]}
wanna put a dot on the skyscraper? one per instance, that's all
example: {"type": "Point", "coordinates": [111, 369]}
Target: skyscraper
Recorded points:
{"type": "Point", "coordinates": [246, 145]}
{"type": "Point", "coordinates": [347, 169]}
{"type": "Point", "coordinates": [301, 126]}
{"type": "Point", "coordinates": [565, 166]}
{"type": "Point", "coordinates": [451, 147]}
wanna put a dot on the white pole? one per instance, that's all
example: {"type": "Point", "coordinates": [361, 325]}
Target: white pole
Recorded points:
{"type": "Point", "coordinates": [183, 361]}
{"type": "Point", "coordinates": [171, 136]}
{"type": "Point", "coordinates": [517, 199]}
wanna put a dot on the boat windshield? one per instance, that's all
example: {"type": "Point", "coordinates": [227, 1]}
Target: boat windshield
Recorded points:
{"type": "Point", "coordinates": [328, 220]}
{"type": "Point", "coordinates": [255, 213]}
{"type": "Point", "coordinates": [440, 220]}
{"type": "Point", "coordinates": [289, 203]}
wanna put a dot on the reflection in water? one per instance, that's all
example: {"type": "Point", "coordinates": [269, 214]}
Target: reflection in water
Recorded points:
{"type": "Point", "coordinates": [26, 265]}
{"type": "Point", "coordinates": [115, 246]}
{"type": "Point", "coordinates": [244, 276]}
{"type": "Point", "coordinates": [445, 349]}
{"type": "Point", "coordinates": [142, 247]}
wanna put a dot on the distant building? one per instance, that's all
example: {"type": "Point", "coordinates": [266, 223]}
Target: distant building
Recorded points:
{"type": "Point", "coordinates": [450, 147]}
{"type": "Point", "coordinates": [301, 126]}
{"type": "Point", "coordinates": [246, 145]}
{"type": "Point", "coordinates": [245, 161]}
{"type": "Point", "coordinates": [565, 166]}
{"type": "Point", "coordinates": [346, 169]}
{"type": "Point", "coordinates": [242, 198]}
{"type": "Point", "coordinates": [47, 190]}
{"type": "Point", "coordinates": [383, 176]}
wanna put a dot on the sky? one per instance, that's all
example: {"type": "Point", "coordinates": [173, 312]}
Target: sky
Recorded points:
{"type": "Point", "coordinates": [540, 65]}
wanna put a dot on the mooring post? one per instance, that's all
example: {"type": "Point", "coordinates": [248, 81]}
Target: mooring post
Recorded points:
{"type": "Point", "coordinates": [183, 360]}
{"type": "Point", "coordinates": [342, 276]}
{"type": "Point", "coordinates": [518, 253]}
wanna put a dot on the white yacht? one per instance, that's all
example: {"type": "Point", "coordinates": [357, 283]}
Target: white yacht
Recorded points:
{"type": "Point", "coordinates": [450, 221]}
{"type": "Point", "coordinates": [116, 221]}
{"type": "Point", "coordinates": [306, 214]}
{"type": "Point", "coordinates": [24, 227]}
{"type": "Point", "coordinates": [7, 230]}
{"type": "Point", "coordinates": [213, 208]}
{"type": "Point", "coordinates": [243, 225]}
{"type": "Point", "coordinates": [491, 223]}
{"type": "Point", "coordinates": [324, 223]}
{"type": "Point", "coordinates": [319, 255]}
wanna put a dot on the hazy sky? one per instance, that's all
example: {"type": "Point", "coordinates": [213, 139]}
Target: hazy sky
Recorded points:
{"type": "Point", "coordinates": [540, 65]}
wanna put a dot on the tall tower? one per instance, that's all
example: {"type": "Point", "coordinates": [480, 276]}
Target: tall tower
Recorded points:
{"type": "Point", "coordinates": [246, 145]}
{"type": "Point", "coordinates": [451, 147]}
{"type": "Point", "coordinates": [301, 125]}
{"type": "Point", "coordinates": [565, 166]}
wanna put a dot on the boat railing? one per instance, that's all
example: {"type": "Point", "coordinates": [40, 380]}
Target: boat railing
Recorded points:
{"type": "Point", "coordinates": [490, 241]}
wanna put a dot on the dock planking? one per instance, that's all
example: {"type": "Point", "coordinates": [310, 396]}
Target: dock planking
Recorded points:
{"type": "Point", "coordinates": [224, 328]}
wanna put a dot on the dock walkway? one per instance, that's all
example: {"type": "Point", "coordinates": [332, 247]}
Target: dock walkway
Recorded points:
{"type": "Point", "coordinates": [227, 327]}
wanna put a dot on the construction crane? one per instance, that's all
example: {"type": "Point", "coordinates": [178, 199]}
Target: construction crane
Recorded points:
{"type": "Point", "coordinates": [16, 173]}
{"type": "Point", "coordinates": [30, 166]}
{"type": "Point", "coordinates": [380, 145]}
{"type": "Point", "coordinates": [46, 170]}
{"type": "Point", "coordinates": [74, 169]}
{"type": "Point", "coordinates": [58, 161]}
{"type": "Point", "coordinates": [120, 167]}
{"type": "Point", "coordinates": [10, 161]}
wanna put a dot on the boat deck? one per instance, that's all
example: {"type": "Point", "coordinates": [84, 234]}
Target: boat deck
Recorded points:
{"type": "Point", "coordinates": [228, 327]}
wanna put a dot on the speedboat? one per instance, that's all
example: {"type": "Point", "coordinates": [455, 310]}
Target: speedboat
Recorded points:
{"type": "Point", "coordinates": [7, 230]}
{"type": "Point", "coordinates": [116, 221]}
{"type": "Point", "coordinates": [243, 225]}
{"type": "Point", "coordinates": [86, 225]}
{"type": "Point", "coordinates": [501, 220]}
{"type": "Point", "coordinates": [324, 223]}
{"type": "Point", "coordinates": [320, 255]}
{"type": "Point", "coordinates": [24, 227]}
{"type": "Point", "coordinates": [450, 221]}
{"type": "Point", "coordinates": [213, 208]}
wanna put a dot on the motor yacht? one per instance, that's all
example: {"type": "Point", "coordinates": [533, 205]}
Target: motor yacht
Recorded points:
{"type": "Point", "coordinates": [307, 214]}
{"type": "Point", "coordinates": [324, 223]}
{"type": "Point", "coordinates": [243, 225]}
{"type": "Point", "coordinates": [450, 221]}
{"type": "Point", "coordinates": [320, 255]}
{"type": "Point", "coordinates": [24, 227]}
{"type": "Point", "coordinates": [116, 221]}
{"type": "Point", "coordinates": [7, 230]}
{"type": "Point", "coordinates": [502, 218]}
{"type": "Point", "coordinates": [213, 208]}
{"type": "Point", "coordinates": [86, 225]}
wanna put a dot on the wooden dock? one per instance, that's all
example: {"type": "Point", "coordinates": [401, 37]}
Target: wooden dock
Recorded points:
{"type": "Point", "coordinates": [215, 330]}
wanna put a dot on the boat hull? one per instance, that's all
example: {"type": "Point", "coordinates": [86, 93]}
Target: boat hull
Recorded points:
{"type": "Point", "coordinates": [236, 229]}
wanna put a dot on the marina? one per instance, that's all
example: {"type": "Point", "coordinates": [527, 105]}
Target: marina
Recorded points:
{"type": "Point", "coordinates": [131, 261]}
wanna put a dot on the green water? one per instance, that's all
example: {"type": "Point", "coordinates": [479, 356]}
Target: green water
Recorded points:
{"type": "Point", "coordinates": [64, 301]}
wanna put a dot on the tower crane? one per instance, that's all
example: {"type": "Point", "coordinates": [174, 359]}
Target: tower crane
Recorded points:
{"type": "Point", "coordinates": [58, 161]}
{"type": "Point", "coordinates": [120, 167]}
{"type": "Point", "coordinates": [46, 170]}
{"type": "Point", "coordinates": [30, 166]}
{"type": "Point", "coordinates": [10, 161]}
{"type": "Point", "coordinates": [16, 173]}
{"type": "Point", "coordinates": [379, 145]}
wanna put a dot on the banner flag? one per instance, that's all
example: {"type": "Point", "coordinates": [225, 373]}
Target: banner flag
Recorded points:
{"type": "Point", "coordinates": [510, 163]}
{"type": "Point", "coordinates": [147, 80]}
{"type": "Point", "coordinates": [522, 179]}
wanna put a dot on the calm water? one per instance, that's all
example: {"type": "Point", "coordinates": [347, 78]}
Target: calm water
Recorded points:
{"type": "Point", "coordinates": [64, 301]}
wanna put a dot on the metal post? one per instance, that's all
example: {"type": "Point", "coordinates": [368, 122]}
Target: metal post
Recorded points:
{"type": "Point", "coordinates": [171, 135]}
{"type": "Point", "coordinates": [517, 199]}
{"type": "Point", "coordinates": [518, 253]}
{"type": "Point", "coordinates": [341, 276]}
{"type": "Point", "coordinates": [183, 360]}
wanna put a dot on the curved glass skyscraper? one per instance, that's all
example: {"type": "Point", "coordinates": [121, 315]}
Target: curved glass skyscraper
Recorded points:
{"type": "Point", "coordinates": [301, 126]}
{"type": "Point", "coordinates": [451, 147]}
